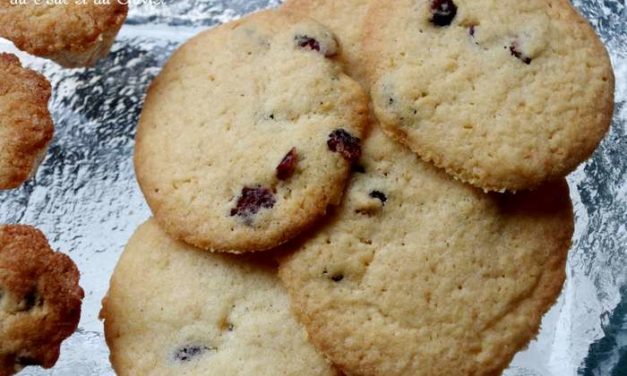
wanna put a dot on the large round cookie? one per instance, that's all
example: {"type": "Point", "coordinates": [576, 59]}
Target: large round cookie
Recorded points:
{"type": "Point", "coordinates": [40, 299]}
{"type": "Point", "coordinates": [249, 133]}
{"type": "Point", "coordinates": [502, 94]}
{"type": "Point", "coordinates": [26, 126]}
{"type": "Point", "coordinates": [418, 274]}
{"type": "Point", "coordinates": [175, 310]}
{"type": "Point", "coordinates": [345, 18]}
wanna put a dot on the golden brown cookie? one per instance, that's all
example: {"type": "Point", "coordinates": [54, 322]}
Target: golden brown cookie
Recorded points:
{"type": "Point", "coordinates": [26, 127]}
{"type": "Point", "coordinates": [419, 274]}
{"type": "Point", "coordinates": [504, 94]}
{"type": "Point", "coordinates": [345, 18]}
{"type": "Point", "coordinates": [74, 34]}
{"type": "Point", "coordinates": [249, 133]}
{"type": "Point", "coordinates": [40, 299]}
{"type": "Point", "coordinates": [176, 310]}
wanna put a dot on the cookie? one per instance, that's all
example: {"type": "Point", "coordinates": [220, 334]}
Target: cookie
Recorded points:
{"type": "Point", "coordinates": [26, 126]}
{"type": "Point", "coordinates": [175, 310]}
{"type": "Point", "coordinates": [40, 299]}
{"type": "Point", "coordinates": [419, 274]}
{"type": "Point", "coordinates": [504, 95]}
{"type": "Point", "coordinates": [345, 18]}
{"type": "Point", "coordinates": [249, 133]}
{"type": "Point", "coordinates": [73, 33]}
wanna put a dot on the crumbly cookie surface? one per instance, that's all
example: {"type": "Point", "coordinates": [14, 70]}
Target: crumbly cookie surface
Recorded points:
{"type": "Point", "coordinates": [40, 299]}
{"type": "Point", "coordinates": [418, 274]}
{"type": "Point", "coordinates": [502, 94]}
{"type": "Point", "coordinates": [26, 126]}
{"type": "Point", "coordinates": [175, 310]}
{"type": "Point", "coordinates": [249, 133]}
{"type": "Point", "coordinates": [345, 18]}
{"type": "Point", "coordinates": [73, 34]}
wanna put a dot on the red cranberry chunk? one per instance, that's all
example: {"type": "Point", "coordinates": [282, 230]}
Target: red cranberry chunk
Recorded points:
{"type": "Point", "coordinates": [287, 167]}
{"type": "Point", "coordinates": [188, 352]}
{"type": "Point", "coordinates": [252, 200]}
{"type": "Point", "coordinates": [443, 12]}
{"type": "Point", "coordinates": [514, 49]}
{"type": "Point", "coordinates": [304, 41]}
{"type": "Point", "coordinates": [379, 196]}
{"type": "Point", "coordinates": [340, 141]}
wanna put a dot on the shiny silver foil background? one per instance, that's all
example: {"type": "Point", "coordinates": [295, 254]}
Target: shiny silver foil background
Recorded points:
{"type": "Point", "coordinates": [85, 197]}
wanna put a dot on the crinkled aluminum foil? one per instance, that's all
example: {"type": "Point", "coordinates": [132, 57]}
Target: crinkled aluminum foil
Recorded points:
{"type": "Point", "coordinates": [86, 200]}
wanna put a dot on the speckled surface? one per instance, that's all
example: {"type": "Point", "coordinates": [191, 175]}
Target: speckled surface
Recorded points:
{"type": "Point", "coordinates": [87, 201]}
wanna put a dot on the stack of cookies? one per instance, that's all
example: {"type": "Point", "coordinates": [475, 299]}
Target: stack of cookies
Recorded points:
{"type": "Point", "coordinates": [303, 227]}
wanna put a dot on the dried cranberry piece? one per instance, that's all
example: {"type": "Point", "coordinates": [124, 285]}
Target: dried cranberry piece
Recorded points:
{"type": "Point", "coordinates": [340, 141]}
{"type": "Point", "coordinates": [337, 277]}
{"type": "Point", "coordinates": [360, 169]}
{"type": "Point", "coordinates": [187, 352]}
{"type": "Point", "coordinates": [514, 49]}
{"type": "Point", "coordinates": [305, 41]}
{"type": "Point", "coordinates": [287, 167]}
{"type": "Point", "coordinates": [443, 12]}
{"type": "Point", "coordinates": [379, 196]}
{"type": "Point", "coordinates": [252, 200]}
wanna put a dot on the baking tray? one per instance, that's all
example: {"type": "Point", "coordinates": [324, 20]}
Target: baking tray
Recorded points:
{"type": "Point", "coordinates": [85, 197]}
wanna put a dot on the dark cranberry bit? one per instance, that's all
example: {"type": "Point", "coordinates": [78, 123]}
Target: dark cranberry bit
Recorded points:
{"type": "Point", "coordinates": [304, 41]}
{"type": "Point", "coordinates": [357, 168]}
{"type": "Point", "coordinates": [287, 167]}
{"type": "Point", "coordinates": [471, 31]}
{"type": "Point", "coordinates": [188, 352]}
{"type": "Point", "coordinates": [514, 49]}
{"type": "Point", "coordinates": [337, 277]}
{"type": "Point", "coordinates": [252, 200]}
{"type": "Point", "coordinates": [379, 196]}
{"type": "Point", "coordinates": [443, 12]}
{"type": "Point", "coordinates": [340, 141]}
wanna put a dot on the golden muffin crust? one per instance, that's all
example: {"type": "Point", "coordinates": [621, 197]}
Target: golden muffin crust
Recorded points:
{"type": "Point", "coordinates": [40, 299]}
{"type": "Point", "coordinates": [26, 127]}
{"type": "Point", "coordinates": [71, 34]}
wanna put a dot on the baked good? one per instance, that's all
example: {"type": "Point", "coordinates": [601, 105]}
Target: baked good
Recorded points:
{"type": "Point", "coordinates": [73, 33]}
{"type": "Point", "coordinates": [175, 310]}
{"type": "Point", "coordinates": [504, 95]}
{"type": "Point", "coordinates": [26, 126]}
{"type": "Point", "coordinates": [249, 133]}
{"type": "Point", "coordinates": [345, 18]}
{"type": "Point", "coordinates": [40, 299]}
{"type": "Point", "coordinates": [418, 274]}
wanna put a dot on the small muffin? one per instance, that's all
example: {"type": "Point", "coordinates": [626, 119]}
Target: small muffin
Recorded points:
{"type": "Point", "coordinates": [40, 299]}
{"type": "Point", "coordinates": [73, 35]}
{"type": "Point", "coordinates": [26, 126]}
